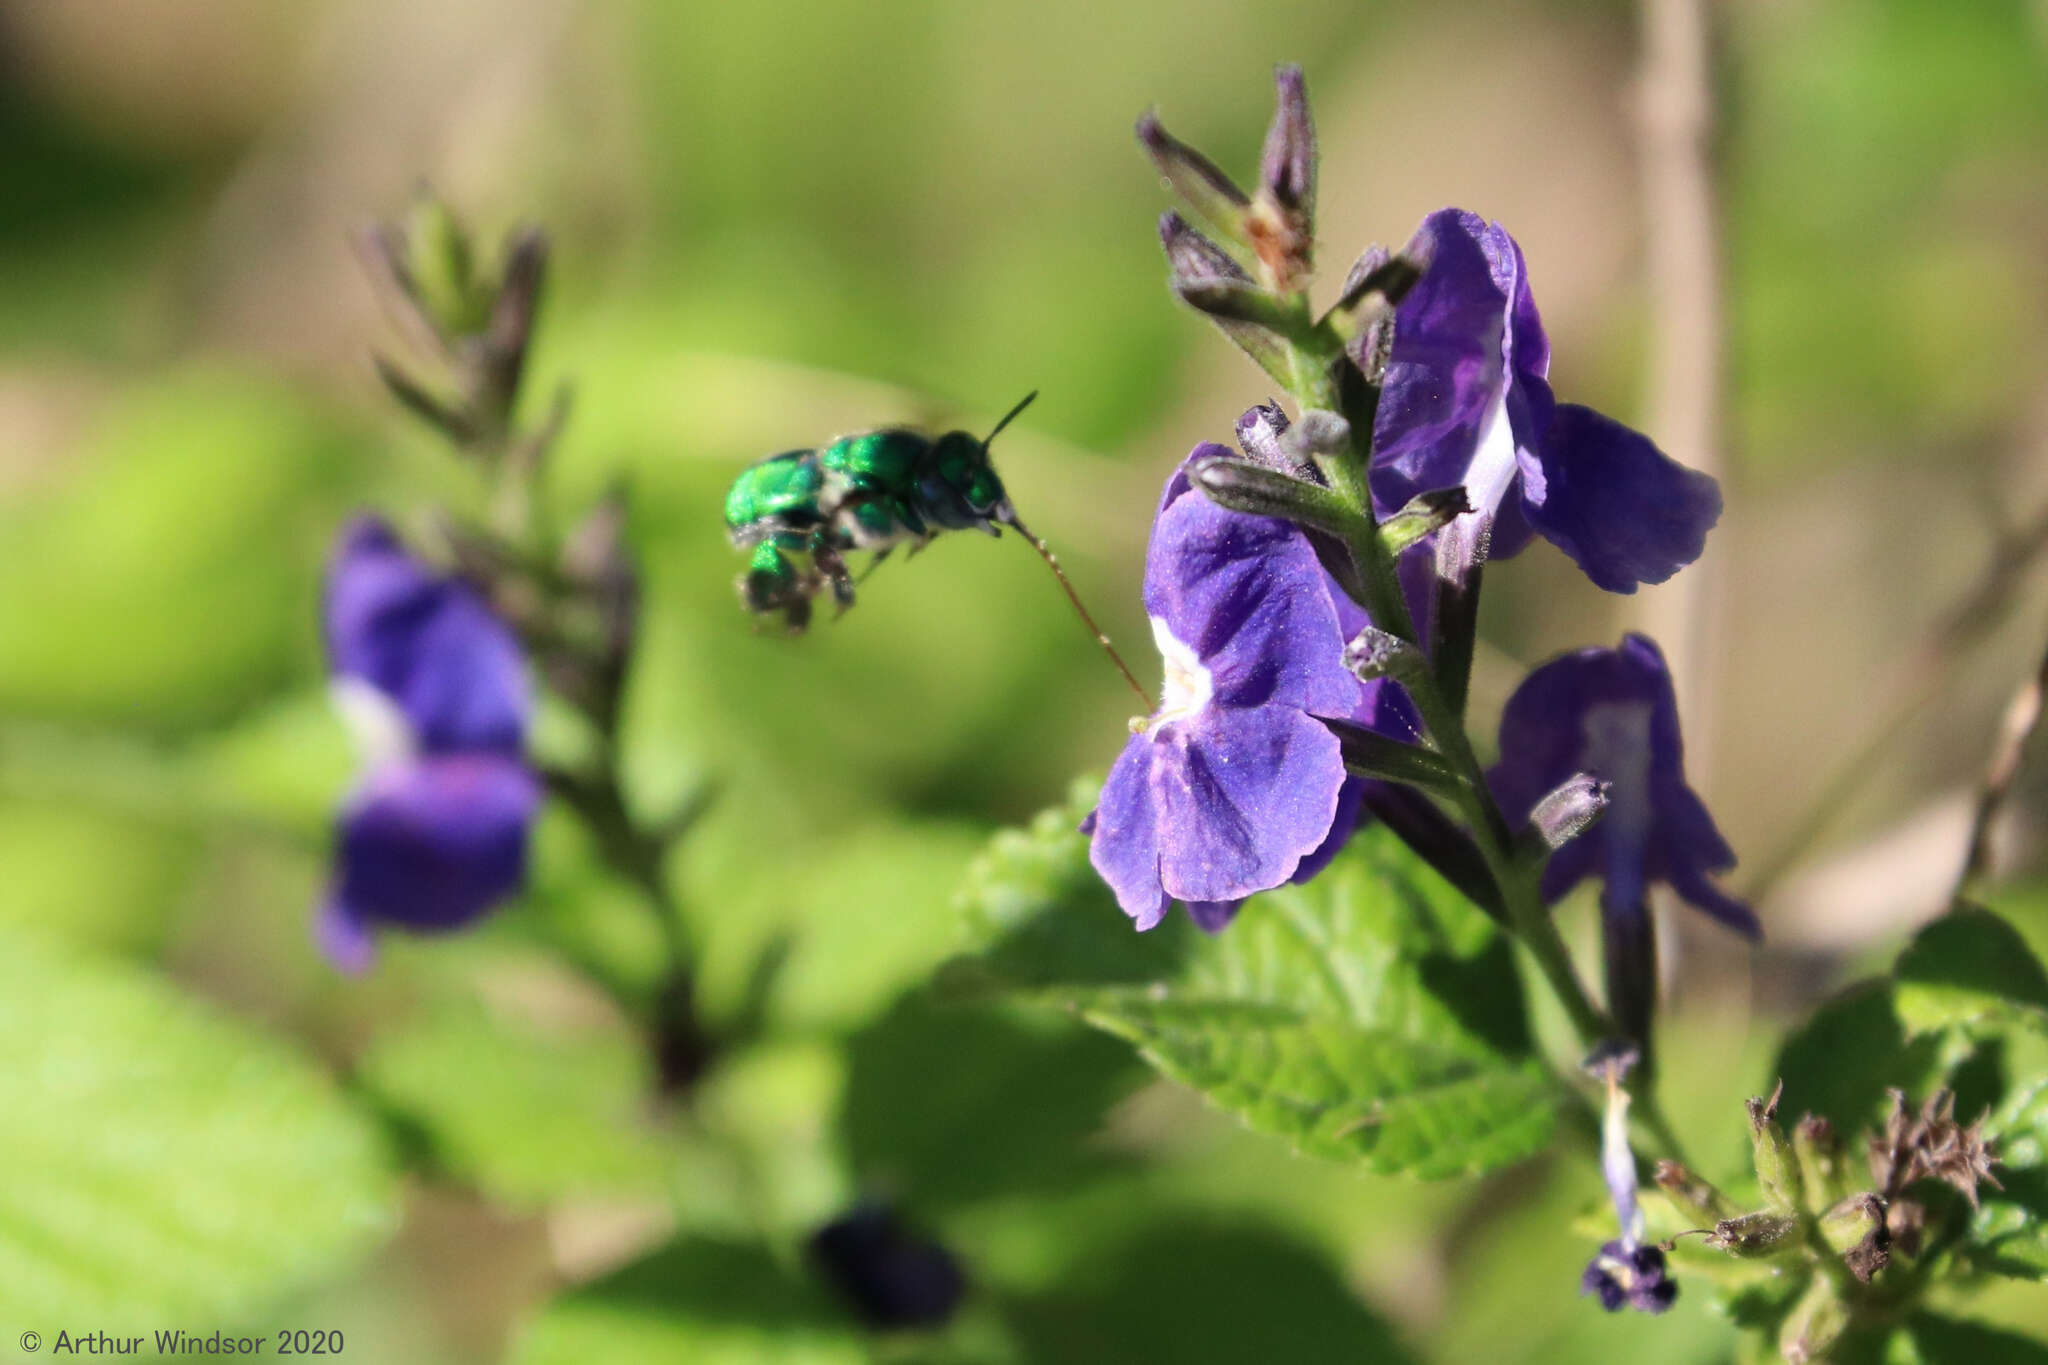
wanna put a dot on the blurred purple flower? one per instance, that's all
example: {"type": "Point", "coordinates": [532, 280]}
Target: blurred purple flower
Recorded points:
{"type": "Point", "coordinates": [435, 834]}
{"type": "Point", "coordinates": [1625, 1271]}
{"type": "Point", "coordinates": [892, 1276]}
{"type": "Point", "coordinates": [1611, 713]}
{"type": "Point", "coordinates": [1466, 403]}
{"type": "Point", "coordinates": [1233, 786]}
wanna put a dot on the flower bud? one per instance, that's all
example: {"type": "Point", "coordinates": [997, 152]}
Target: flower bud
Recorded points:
{"type": "Point", "coordinates": [1755, 1234]}
{"type": "Point", "coordinates": [1855, 1230]}
{"type": "Point", "coordinates": [1777, 1166]}
{"type": "Point", "coordinates": [1565, 813]}
{"type": "Point", "coordinates": [1422, 515]}
{"type": "Point", "coordinates": [1243, 486]}
{"type": "Point", "coordinates": [1694, 1197]}
{"type": "Point", "coordinates": [1821, 1170]}
{"type": "Point", "coordinates": [1199, 182]}
{"type": "Point", "coordinates": [1282, 217]}
{"type": "Point", "coordinates": [1816, 1322]}
{"type": "Point", "coordinates": [1261, 434]}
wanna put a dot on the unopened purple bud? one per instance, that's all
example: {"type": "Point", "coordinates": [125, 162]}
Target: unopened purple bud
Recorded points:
{"type": "Point", "coordinates": [1259, 433]}
{"type": "Point", "coordinates": [1199, 182]}
{"type": "Point", "coordinates": [1565, 813]}
{"type": "Point", "coordinates": [1194, 258]}
{"type": "Point", "coordinates": [1287, 171]}
{"type": "Point", "coordinates": [1281, 223]}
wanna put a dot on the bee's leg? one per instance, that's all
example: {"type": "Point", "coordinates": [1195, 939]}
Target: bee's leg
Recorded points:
{"type": "Point", "coordinates": [876, 563]}
{"type": "Point", "coordinates": [833, 566]}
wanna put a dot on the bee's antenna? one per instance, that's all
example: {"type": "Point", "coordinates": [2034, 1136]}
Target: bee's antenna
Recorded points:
{"type": "Point", "coordinates": [1045, 553]}
{"type": "Point", "coordinates": [1010, 417]}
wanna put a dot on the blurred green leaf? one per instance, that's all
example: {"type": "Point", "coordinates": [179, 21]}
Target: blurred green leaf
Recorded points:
{"type": "Point", "coordinates": [1932, 1339]}
{"type": "Point", "coordinates": [1969, 970]}
{"type": "Point", "coordinates": [947, 1104]}
{"type": "Point", "coordinates": [702, 1301]}
{"type": "Point", "coordinates": [166, 1164]}
{"type": "Point", "coordinates": [1852, 1049]}
{"type": "Point", "coordinates": [1371, 1015]}
{"type": "Point", "coordinates": [1195, 1292]}
{"type": "Point", "coordinates": [525, 1115]}
{"type": "Point", "coordinates": [2009, 1235]}
{"type": "Point", "coordinates": [1037, 914]}
{"type": "Point", "coordinates": [174, 577]}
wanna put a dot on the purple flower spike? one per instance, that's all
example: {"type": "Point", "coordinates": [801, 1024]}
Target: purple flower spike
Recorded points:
{"type": "Point", "coordinates": [1467, 403]}
{"type": "Point", "coordinates": [436, 832]}
{"type": "Point", "coordinates": [1233, 786]}
{"type": "Point", "coordinates": [1611, 713]}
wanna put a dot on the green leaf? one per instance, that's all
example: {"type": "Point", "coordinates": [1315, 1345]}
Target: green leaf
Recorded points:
{"type": "Point", "coordinates": [1938, 1340]}
{"type": "Point", "coordinates": [526, 1116]}
{"type": "Point", "coordinates": [1372, 1015]}
{"type": "Point", "coordinates": [1970, 970]}
{"type": "Point", "coordinates": [1843, 1059]}
{"type": "Point", "coordinates": [1037, 916]}
{"type": "Point", "coordinates": [1195, 1292]}
{"type": "Point", "coordinates": [2009, 1234]}
{"type": "Point", "coordinates": [166, 1164]}
{"type": "Point", "coordinates": [950, 1104]}
{"type": "Point", "coordinates": [703, 1301]}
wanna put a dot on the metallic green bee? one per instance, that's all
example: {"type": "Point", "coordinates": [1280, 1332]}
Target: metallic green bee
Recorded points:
{"type": "Point", "coordinates": [802, 511]}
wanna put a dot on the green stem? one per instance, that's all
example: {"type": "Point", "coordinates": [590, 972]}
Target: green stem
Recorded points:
{"type": "Point", "coordinates": [1319, 372]}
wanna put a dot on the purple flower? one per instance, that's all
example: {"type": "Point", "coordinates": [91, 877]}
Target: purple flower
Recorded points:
{"type": "Point", "coordinates": [435, 833]}
{"type": "Point", "coordinates": [1625, 1271]}
{"type": "Point", "coordinates": [1233, 786]}
{"type": "Point", "coordinates": [1611, 713]}
{"type": "Point", "coordinates": [1466, 402]}
{"type": "Point", "coordinates": [1635, 1276]}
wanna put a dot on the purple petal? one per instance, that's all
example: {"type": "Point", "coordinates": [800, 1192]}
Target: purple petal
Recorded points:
{"type": "Point", "coordinates": [431, 844]}
{"type": "Point", "coordinates": [428, 643]}
{"type": "Point", "coordinates": [1178, 484]}
{"type": "Point", "coordinates": [1448, 366]}
{"type": "Point", "coordinates": [1243, 796]}
{"type": "Point", "coordinates": [1248, 595]}
{"type": "Point", "coordinates": [1213, 917]}
{"type": "Point", "coordinates": [1623, 510]}
{"type": "Point", "coordinates": [1124, 834]}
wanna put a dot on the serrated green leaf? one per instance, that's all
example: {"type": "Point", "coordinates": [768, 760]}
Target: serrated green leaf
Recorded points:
{"type": "Point", "coordinates": [527, 1116]}
{"type": "Point", "coordinates": [2009, 1234]}
{"type": "Point", "coordinates": [702, 1301]}
{"type": "Point", "coordinates": [1371, 1015]}
{"type": "Point", "coordinates": [165, 1164]}
{"type": "Point", "coordinates": [1970, 970]}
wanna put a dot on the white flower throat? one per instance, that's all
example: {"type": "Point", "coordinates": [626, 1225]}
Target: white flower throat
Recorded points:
{"type": "Point", "coordinates": [1187, 686]}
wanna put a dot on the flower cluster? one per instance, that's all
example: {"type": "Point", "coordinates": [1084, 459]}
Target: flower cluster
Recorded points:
{"type": "Point", "coordinates": [432, 683]}
{"type": "Point", "coordinates": [1315, 604]}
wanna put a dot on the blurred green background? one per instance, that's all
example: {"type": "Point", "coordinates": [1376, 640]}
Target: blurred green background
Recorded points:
{"type": "Point", "coordinates": [778, 221]}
